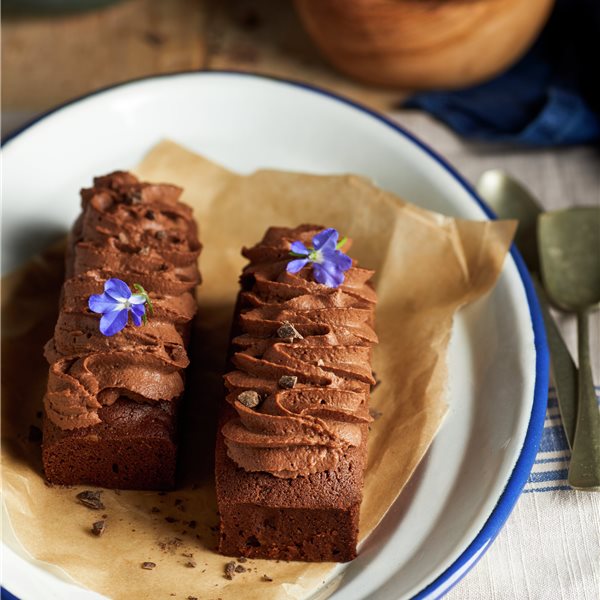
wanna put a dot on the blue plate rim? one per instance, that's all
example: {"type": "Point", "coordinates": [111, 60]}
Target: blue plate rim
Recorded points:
{"type": "Point", "coordinates": [470, 556]}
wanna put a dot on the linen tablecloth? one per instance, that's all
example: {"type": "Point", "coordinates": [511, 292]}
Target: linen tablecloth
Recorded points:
{"type": "Point", "coordinates": [549, 548]}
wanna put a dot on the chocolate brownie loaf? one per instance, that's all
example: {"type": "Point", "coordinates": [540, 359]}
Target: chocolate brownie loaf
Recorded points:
{"type": "Point", "coordinates": [291, 450]}
{"type": "Point", "coordinates": [110, 410]}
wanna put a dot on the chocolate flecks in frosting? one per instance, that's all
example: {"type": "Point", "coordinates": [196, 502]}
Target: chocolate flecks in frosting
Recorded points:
{"type": "Point", "coordinates": [249, 399]}
{"type": "Point", "coordinates": [114, 237]}
{"type": "Point", "coordinates": [314, 392]}
{"type": "Point", "coordinates": [288, 332]}
{"type": "Point", "coordinates": [288, 381]}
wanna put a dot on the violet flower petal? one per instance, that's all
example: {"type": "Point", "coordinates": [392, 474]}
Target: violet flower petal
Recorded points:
{"type": "Point", "coordinates": [137, 313]}
{"type": "Point", "coordinates": [112, 322]}
{"type": "Point", "coordinates": [117, 289]}
{"type": "Point", "coordinates": [101, 303]}
{"type": "Point", "coordinates": [326, 240]}
{"type": "Point", "coordinates": [296, 265]}
{"type": "Point", "coordinates": [137, 299]}
{"type": "Point", "coordinates": [339, 259]}
{"type": "Point", "coordinates": [299, 248]}
{"type": "Point", "coordinates": [328, 275]}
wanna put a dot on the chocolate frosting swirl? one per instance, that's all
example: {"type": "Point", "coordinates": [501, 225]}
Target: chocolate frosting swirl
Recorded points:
{"type": "Point", "coordinates": [140, 233]}
{"type": "Point", "coordinates": [306, 428]}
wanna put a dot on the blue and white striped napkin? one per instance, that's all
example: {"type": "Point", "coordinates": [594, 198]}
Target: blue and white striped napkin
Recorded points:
{"type": "Point", "coordinates": [549, 548]}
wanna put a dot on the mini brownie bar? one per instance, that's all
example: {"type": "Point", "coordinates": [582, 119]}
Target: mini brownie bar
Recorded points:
{"type": "Point", "coordinates": [112, 402]}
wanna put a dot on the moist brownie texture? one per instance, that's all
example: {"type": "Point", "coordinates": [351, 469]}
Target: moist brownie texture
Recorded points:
{"type": "Point", "coordinates": [292, 441]}
{"type": "Point", "coordinates": [111, 406]}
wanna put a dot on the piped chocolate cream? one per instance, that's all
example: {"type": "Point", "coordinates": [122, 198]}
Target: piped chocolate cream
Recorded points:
{"type": "Point", "coordinates": [139, 233]}
{"type": "Point", "coordinates": [302, 362]}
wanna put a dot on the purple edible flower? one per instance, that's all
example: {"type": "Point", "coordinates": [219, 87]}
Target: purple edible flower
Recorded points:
{"type": "Point", "coordinates": [116, 303]}
{"type": "Point", "coordinates": [328, 262]}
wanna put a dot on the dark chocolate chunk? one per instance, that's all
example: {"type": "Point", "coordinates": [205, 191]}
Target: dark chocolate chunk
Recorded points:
{"type": "Point", "coordinates": [91, 500]}
{"type": "Point", "coordinates": [240, 569]}
{"type": "Point", "coordinates": [288, 381]}
{"type": "Point", "coordinates": [148, 565]}
{"type": "Point", "coordinates": [171, 520]}
{"type": "Point", "coordinates": [249, 398]}
{"type": "Point", "coordinates": [288, 332]}
{"type": "Point", "coordinates": [98, 528]}
{"type": "Point", "coordinates": [230, 570]}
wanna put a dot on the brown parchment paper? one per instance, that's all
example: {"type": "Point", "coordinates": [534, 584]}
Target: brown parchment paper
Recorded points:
{"type": "Point", "coordinates": [427, 266]}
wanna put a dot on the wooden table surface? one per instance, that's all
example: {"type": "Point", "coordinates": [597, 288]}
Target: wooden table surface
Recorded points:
{"type": "Point", "coordinates": [48, 59]}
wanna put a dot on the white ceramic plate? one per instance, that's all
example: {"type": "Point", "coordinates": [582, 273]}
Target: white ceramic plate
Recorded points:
{"type": "Point", "coordinates": [478, 464]}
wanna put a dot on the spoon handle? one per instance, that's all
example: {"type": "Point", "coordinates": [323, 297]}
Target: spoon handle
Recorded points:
{"type": "Point", "coordinates": [584, 472]}
{"type": "Point", "coordinates": [564, 371]}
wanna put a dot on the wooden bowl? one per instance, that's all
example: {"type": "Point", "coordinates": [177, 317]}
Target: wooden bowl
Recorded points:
{"type": "Point", "coordinates": [423, 44]}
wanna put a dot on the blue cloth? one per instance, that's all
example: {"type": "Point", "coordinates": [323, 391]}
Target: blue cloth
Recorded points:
{"type": "Point", "coordinates": [550, 97]}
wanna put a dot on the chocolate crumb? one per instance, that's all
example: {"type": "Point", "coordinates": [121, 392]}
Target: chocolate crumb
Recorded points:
{"type": "Point", "coordinates": [105, 516]}
{"type": "Point", "coordinates": [375, 413]}
{"type": "Point", "coordinates": [171, 520]}
{"type": "Point", "coordinates": [242, 559]}
{"type": "Point", "coordinates": [150, 215]}
{"type": "Point", "coordinates": [192, 524]}
{"type": "Point", "coordinates": [192, 598]}
{"type": "Point", "coordinates": [288, 381]}
{"type": "Point", "coordinates": [98, 528]}
{"type": "Point", "coordinates": [191, 564]}
{"type": "Point", "coordinates": [91, 500]}
{"type": "Point", "coordinates": [230, 570]}
{"type": "Point", "coordinates": [35, 434]}
{"type": "Point", "coordinates": [170, 545]}
{"type": "Point", "coordinates": [288, 332]}
{"type": "Point", "coordinates": [161, 234]}
{"type": "Point", "coordinates": [187, 554]}
{"type": "Point", "coordinates": [249, 398]}
{"type": "Point", "coordinates": [154, 39]}
{"type": "Point", "coordinates": [240, 569]}
{"type": "Point", "coordinates": [148, 565]}
{"type": "Point", "coordinates": [155, 509]}
{"type": "Point", "coordinates": [266, 578]}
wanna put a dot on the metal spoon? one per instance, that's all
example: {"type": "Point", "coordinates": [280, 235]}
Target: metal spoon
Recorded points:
{"type": "Point", "coordinates": [569, 244]}
{"type": "Point", "coordinates": [510, 200]}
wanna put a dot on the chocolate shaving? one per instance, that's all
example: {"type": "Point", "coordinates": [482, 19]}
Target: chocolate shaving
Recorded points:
{"type": "Point", "coordinates": [240, 569]}
{"type": "Point", "coordinates": [266, 578]}
{"type": "Point", "coordinates": [148, 565]}
{"type": "Point", "coordinates": [288, 332]}
{"type": "Point", "coordinates": [191, 564]}
{"type": "Point", "coordinates": [287, 381]}
{"type": "Point", "coordinates": [249, 398]}
{"type": "Point", "coordinates": [230, 570]}
{"type": "Point", "coordinates": [91, 500]}
{"type": "Point", "coordinates": [98, 528]}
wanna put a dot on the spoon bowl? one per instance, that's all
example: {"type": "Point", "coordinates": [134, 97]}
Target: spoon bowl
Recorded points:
{"type": "Point", "coordinates": [569, 244]}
